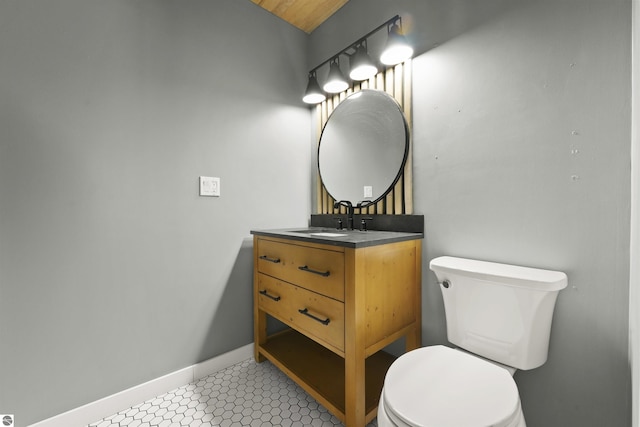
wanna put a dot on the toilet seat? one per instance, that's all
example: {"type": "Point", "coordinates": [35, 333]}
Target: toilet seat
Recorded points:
{"type": "Point", "coordinates": [438, 386]}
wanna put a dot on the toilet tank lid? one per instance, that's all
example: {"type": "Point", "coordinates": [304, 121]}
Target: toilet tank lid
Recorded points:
{"type": "Point", "coordinates": [510, 275]}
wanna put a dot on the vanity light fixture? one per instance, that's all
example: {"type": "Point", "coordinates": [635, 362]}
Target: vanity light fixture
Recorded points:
{"type": "Point", "coordinates": [313, 94]}
{"type": "Point", "coordinates": [396, 50]}
{"type": "Point", "coordinates": [362, 67]}
{"type": "Point", "coordinates": [336, 82]}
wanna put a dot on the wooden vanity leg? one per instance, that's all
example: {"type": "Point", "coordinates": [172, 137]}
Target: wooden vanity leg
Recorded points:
{"type": "Point", "coordinates": [355, 409]}
{"type": "Point", "coordinates": [414, 338]}
{"type": "Point", "coordinates": [259, 333]}
{"type": "Point", "coordinates": [259, 316]}
{"type": "Point", "coordinates": [355, 390]}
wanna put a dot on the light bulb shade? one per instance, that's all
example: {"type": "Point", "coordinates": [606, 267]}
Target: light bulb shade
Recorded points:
{"type": "Point", "coordinates": [336, 82]}
{"type": "Point", "coordinates": [313, 94]}
{"type": "Point", "coordinates": [362, 67]}
{"type": "Point", "coordinates": [397, 49]}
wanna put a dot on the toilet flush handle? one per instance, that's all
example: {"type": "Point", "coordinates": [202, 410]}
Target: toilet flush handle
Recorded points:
{"type": "Point", "coordinates": [446, 284]}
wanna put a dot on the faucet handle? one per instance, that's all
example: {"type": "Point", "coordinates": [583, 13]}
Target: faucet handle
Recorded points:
{"type": "Point", "coordinates": [339, 226]}
{"type": "Point", "coordinates": [363, 223]}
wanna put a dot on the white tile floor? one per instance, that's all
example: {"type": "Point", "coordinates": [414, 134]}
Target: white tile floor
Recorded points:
{"type": "Point", "coordinates": [246, 394]}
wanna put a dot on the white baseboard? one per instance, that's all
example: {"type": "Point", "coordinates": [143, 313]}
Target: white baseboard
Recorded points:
{"type": "Point", "coordinates": [117, 402]}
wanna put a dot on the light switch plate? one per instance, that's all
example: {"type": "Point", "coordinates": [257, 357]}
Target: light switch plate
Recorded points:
{"type": "Point", "coordinates": [210, 186]}
{"type": "Point", "coordinates": [368, 191]}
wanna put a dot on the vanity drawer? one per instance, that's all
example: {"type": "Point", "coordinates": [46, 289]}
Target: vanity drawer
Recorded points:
{"type": "Point", "coordinates": [315, 315]}
{"type": "Point", "coordinates": [316, 269]}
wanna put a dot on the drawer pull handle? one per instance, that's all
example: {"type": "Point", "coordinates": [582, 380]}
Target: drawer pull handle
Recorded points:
{"type": "Point", "coordinates": [321, 273]}
{"type": "Point", "coordinates": [268, 296]}
{"type": "Point", "coordinates": [273, 260]}
{"type": "Point", "coordinates": [306, 313]}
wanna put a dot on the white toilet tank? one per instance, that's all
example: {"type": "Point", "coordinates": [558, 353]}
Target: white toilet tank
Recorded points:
{"type": "Point", "coordinates": [498, 311]}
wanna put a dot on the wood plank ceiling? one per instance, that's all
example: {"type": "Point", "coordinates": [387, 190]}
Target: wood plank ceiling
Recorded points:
{"type": "Point", "coordinates": [306, 15]}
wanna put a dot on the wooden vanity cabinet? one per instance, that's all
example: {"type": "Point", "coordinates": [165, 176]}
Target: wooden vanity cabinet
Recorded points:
{"type": "Point", "coordinates": [342, 305]}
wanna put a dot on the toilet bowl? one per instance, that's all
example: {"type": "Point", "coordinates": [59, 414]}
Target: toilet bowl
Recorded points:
{"type": "Point", "coordinates": [501, 316]}
{"type": "Point", "coordinates": [439, 386]}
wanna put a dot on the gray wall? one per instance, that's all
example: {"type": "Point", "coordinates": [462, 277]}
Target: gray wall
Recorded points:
{"type": "Point", "coordinates": [522, 155]}
{"type": "Point", "coordinates": [112, 270]}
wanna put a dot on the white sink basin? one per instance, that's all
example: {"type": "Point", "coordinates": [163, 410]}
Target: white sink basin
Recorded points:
{"type": "Point", "coordinates": [321, 233]}
{"type": "Point", "coordinates": [325, 234]}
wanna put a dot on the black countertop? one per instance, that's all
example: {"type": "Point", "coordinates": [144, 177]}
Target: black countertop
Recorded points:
{"type": "Point", "coordinates": [335, 237]}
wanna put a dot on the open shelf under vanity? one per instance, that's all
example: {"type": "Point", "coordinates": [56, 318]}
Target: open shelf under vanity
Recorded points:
{"type": "Point", "coordinates": [321, 372]}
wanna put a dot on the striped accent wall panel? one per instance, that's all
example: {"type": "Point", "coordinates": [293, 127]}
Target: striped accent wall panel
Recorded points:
{"type": "Point", "coordinates": [396, 81]}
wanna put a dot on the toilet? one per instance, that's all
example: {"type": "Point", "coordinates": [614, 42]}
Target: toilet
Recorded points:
{"type": "Point", "coordinates": [499, 318]}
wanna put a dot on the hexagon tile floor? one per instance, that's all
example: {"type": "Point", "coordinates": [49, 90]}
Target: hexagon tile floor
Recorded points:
{"type": "Point", "coordinates": [246, 394]}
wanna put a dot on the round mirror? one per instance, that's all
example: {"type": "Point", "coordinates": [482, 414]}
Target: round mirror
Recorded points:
{"type": "Point", "coordinates": [363, 147]}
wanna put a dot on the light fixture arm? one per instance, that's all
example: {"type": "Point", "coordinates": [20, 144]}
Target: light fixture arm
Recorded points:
{"type": "Point", "coordinates": [387, 24]}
